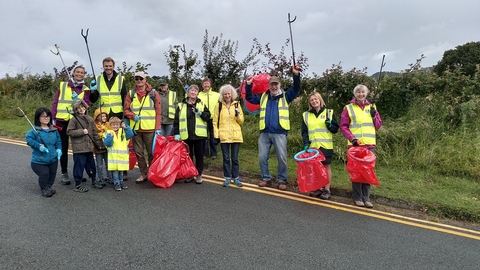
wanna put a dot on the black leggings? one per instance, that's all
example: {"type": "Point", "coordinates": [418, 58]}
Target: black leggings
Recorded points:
{"type": "Point", "coordinates": [197, 149]}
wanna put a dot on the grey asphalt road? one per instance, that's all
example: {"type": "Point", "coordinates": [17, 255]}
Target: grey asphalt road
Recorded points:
{"type": "Point", "coordinates": [204, 226]}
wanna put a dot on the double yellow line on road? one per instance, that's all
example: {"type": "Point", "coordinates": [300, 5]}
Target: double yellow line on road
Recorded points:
{"type": "Point", "coordinates": [429, 225]}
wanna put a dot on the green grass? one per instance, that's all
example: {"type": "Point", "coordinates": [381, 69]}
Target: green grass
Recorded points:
{"type": "Point", "coordinates": [446, 196]}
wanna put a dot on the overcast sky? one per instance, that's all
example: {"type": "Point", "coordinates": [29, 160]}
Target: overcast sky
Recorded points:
{"type": "Point", "coordinates": [354, 32]}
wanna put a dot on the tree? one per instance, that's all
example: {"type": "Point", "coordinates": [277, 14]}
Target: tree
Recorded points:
{"type": "Point", "coordinates": [220, 63]}
{"type": "Point", "coordinates": [464, 57]}
{"type": "Point", "coordinates": [180, 75]}
{"type": "Point", "coordinates": [128, 72]}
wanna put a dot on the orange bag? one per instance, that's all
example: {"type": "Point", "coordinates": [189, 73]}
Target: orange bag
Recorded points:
{"type": "Point", "coordinates": [360, 165]}
{"type": "Point", "coordinates": [311, 174]}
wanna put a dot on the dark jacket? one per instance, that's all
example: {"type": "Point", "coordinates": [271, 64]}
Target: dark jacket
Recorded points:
{"type": "Point", "coordinates": [82, 143]}
{"type": "Point", "coordinates": [191, 119]}
{"type": "Point", "coordinates": [51, 138]}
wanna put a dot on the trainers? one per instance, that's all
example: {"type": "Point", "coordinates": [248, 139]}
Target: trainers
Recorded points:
{"type": "Point", "coordinates": [102, 182]}
{"type": "Point", "coordinates": [188, 180]}
{"type": "Point", "coordinates": [109, 181]}
{"type": "Point", "coordinates": [53, 191]}
{"type": "Point", "coordinates": [140, 179]}
{"type": "Point", "coordinates": [316, 193]}
{"type": "Point", "coordinates": [368, 204]}
{"type": "Point", "coordinates": [265, 183]}
{"type": "Point", "coordinates": [65, 179]}
{"type": "Point", "coordinates": [237, 182]}
{"type": "Point", "coordinates": [46, 192]}
{"type": "Point", "coordinates": [80, 188]}
{"type": "Point", "coordinates": [325, 195]}
{"type": "Point", "coordinates": [198, 180]}
{"type": "Point", "coordinates": [123, 186]}
{"type": "Point", "coordinates": [117, 187]}
{"type": "Point", "coordinates": [96, 184]}
{"type": "Point", "coordinates": [359, 203]}
{"type": "Point", "coordinates": [282, 186]}
{"type": "Point", "coordinates": [226, 183]}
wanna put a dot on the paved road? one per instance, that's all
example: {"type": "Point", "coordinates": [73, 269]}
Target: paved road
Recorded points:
{"type": "Point", "coordinates": [207, 227]}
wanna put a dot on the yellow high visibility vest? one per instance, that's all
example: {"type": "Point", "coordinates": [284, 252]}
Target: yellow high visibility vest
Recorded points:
{"type": "Point", "coordinates": [172, 97]}
{"type": "Point", "coordinates": [361, 124]}
{"type": "Point", "coordinates": [210, 99]}
{"type": "Point", "coordinates": [147, 115]}
{"type": "Point", "coordinates": [118, 153]}
{"type": "Point", "coordinates": [283, 113]}
{"type": "Point", "coordinates": [318, 134]}
{"type": "Point", "coordinates": [65, 101]}
{"type": "Point", "coordinates": [111, 100]}
{"type": "Point", "coordinates": [200, 125]}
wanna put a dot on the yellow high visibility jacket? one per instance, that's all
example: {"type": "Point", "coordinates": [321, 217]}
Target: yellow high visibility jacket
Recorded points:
{"type": "Point", "coordinates": [118, 153]}
{"type": "Point", "coordinates": [283, 113]}
{"type": "Point", "coordinates": [111, 99]}
{"type": "Point", "coordinates": [210, 99]}
{"type": "Point", "coordinates": [147, 115]}
{"type": "Point", "coordinates": [318, 133]}
{"type": "Point", "coordinates": [200, 125]}
{"type": "Point", "coordinates": [361, 124]}
{"type": "Point", "coordinates": [65, 101]}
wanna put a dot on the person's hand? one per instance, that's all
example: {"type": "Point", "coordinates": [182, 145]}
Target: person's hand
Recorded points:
{"type": "Point", "coordinates": [373, 112]}
{"type": "Point", "coordinates": [53, 122]}
{"type": "Point", "coordinates": [74, 96]}
{"type": "Point", "coordinates": [197, 111]}
{"type": "Point", "coordinates": [249, 80]}
{"type": "Point", "coordinates": [237, 111]}
{"type": "Point", "coordinates": [85, 131]}
{"type": "Point", "coordinates": [108, 141]}
{"type": "Point", "coordinates": [158, 132]}
{"type": "Point", "coordinates": [305, 148]}
{"type": "Point", "coordinates": [296, 69]}
{"type": "Point", "coordinates": [328, 123]}
{"type": "Point", "coordinates": [177, 137]}
{"type": "Point", "coordinates": [59, 153]}
{"type": "Point", "coordinates": [216, 141]}
{"type": "Point", "coordinates": [43, 149]}
{"type": "Point", "coordinates": [356, 142]}
{"type": "Point", "coordinates": [136, 118]}
{"type": "Point", "coordinates": [186, 88]}
{"type": "Point", "coordinates": [93, 85]}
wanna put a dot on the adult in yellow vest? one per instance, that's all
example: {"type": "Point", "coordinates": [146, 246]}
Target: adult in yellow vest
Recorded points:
{"type": "Point", "coordinates": [144, 110]}
{"type": "Point", "coordinates": [190, 126]}
{"type": "Point", "coordinates": [359, 122]}
{"type": "Point", "coordinates": [210, 98]}
{"type": "Point", "coordinates": [318, 126]}
{"type": "Point", "coordinates": [169, 105]}
{"type": "Point", "coordinates": [274, 125]}
{"type": "Point", "coordinates": [69, 91]}
{"type": "Point", "coordinates": [111, 89]}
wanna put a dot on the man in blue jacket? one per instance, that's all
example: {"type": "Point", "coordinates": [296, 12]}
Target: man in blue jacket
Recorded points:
{"type": "Point", "coordinates": [274, 125]}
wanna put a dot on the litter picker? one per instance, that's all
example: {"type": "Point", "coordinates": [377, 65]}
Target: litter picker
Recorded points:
{"type": "Point", "coordinates": [33, 128]}
{"type": "Point", "coordinates": [88, 50]}
{"type": "Point", "coordinates": [61, 58]}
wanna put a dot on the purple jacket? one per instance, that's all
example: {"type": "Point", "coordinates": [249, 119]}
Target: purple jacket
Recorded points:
{"type": "Point", "coordinates": [345, 121]}
{"type": "Point", "coordinates": [78, 89]}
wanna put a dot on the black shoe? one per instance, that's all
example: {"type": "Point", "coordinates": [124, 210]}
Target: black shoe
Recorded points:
{"type": "Point", "coordinates": [46, 192]}
{"type": "Point", "coordinates": [53, 191]}
{"type": "Point", "coordinates": [96, 185]}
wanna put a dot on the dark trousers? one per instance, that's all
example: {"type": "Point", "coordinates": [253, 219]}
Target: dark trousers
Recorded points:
{"type": "Point", "coordinates": [64, 138]}
{"type": "Point", "coordinates": [230, 159]}
{"type": "Point", "coordinates": [46, 173]}
{"type": "Point", "coordinates": [83, 161]}
{"type": "Point", "coordinates": [210, 148]}
{"type": "Point", "coordinates": [196, 149]}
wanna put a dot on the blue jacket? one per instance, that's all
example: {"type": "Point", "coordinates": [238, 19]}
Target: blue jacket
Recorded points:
{"type": "Point", "coordinates": [271, 113]}
{"type": "Point", "coordinates": [51, 137]}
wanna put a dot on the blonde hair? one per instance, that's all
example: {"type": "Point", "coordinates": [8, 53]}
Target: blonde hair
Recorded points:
{"type": "Point", "coordinates": [114, 120]}
{"type": "Point", "coordinates": [317, 95]}
{"type": "Point", "coordinates": [225, 88]}
{"type": "Point", "coordinates": [359, 87]}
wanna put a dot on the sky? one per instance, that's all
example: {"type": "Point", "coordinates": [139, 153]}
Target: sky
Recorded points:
{"type": "Point", "coordinates": [354, 33]}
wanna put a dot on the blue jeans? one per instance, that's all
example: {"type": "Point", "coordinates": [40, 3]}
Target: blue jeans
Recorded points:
{"type": "Point", "coordinates": [117, 177]}
{"type": "Point", "coordinates": [230, 159]}
{"type": "Point", "coordinates": [102, 161]}
{"type": "Point", "coordinates": [167, 130]}
{"type": "Point", "coordinates": [279, 142]}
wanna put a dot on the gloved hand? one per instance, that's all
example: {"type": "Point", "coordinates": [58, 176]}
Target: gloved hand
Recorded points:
{"type": "Point", "coordinates": [305, 148]}
{"type": "Point", "coordinates": [373, 112]}
{"type": "Point", "coordinates": [136, 118]}
{"type": "Point", "coordinates": [53, 122]}
{"type": "Point", "coordinates": [108, 141]}
{"type": "Point", "coordinates": [177, 137]}
{"type": "Point", "coordinates": [186, 88]}
{"type": "Point", "coordinates": [43, 149]}
{"type": "Point", "coordinates": [328, 122]}
{"type": "Point", "coordinates": [74, 96]}
{"type": "Point", "coordinates": [59, 153]}
{"type": "Point", "coordinates": [355, 142]}
{"type": "Point", "coordinates": [159, 132]}
{"type": "Point", "coordinates": [237, 112]}
{"type": "Point", "coordinates": [93, 85]}
{"type": "Point", "coordinates": [197, 111]}
{"type": "Point", "coordinates": [216, 141]}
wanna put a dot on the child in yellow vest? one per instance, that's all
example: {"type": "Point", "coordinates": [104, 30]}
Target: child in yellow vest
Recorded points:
{"type": "Point", "coordinates": [116, 140]}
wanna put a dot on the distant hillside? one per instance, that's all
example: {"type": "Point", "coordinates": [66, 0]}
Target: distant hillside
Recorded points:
{"type": "Point", "coordinates": [391, 73]}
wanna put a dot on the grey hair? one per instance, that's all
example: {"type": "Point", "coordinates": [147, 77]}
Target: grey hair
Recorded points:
{"type": "Point", "coordinates": [228, 87]}
{"type": "Point", "coordinates": [193, 86]}
{"type": "Point", "coordinates": [360, 86]}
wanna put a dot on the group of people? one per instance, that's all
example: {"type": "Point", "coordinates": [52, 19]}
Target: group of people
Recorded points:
{"type": "Point", "coordinates": [203, 119]}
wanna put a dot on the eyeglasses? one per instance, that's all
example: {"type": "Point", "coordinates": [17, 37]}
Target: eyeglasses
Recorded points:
{"type": "Point", "coordinates": [138, 79]}
{"type": "Point", "coordinates": [44, 116]}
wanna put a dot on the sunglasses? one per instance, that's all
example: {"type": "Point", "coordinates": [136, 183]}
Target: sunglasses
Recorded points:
{"type": "Point", "coordinates": [138, 79]}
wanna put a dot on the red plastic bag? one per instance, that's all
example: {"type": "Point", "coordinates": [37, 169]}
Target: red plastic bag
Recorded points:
{"type": "Point", "coordinates": [164, 169]}
{"type": "Point", "coordinates": [187, 169]}
{"type": "Point", "coordinates": [360, 165]}
{"type": "Point", "coordinates": [311, 174]}
{"type": "Point", "coordinates": [132, 159]}
{"type": "Point", "coordinates": [260, 83]}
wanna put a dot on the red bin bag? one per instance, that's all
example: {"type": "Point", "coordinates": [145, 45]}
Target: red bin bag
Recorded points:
{"type": "Point", "coordinates": [360, 165]}
{"type": "Point", "coordinates": [311, 174]}
{"type": "Point", "coordinates": [164, 169]}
